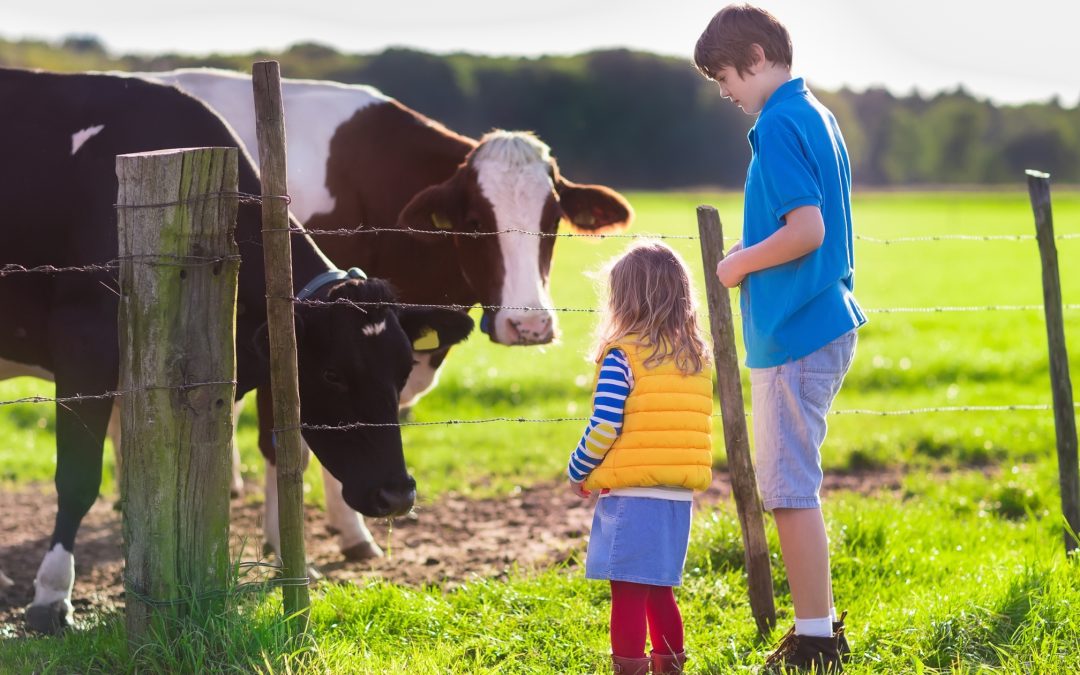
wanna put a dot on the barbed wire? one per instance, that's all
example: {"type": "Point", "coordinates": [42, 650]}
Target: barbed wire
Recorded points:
{"type": "Point", "coordinates": [363, 304]}
{"type": "Point", "coordinates": [242, 197]}
{"type": "Point", "coordinates": [348, 232]}
{"type": "Point", "coordinates": [352, 426]}
{"type": "Point", "coordinates": [113, 394]}
{"type": "Point", "coordinates": [155, 260]}
{"type": "Point", "coordinates": [238, 589]}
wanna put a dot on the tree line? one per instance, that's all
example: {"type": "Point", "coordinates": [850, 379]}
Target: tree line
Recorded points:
{"type": "Point", "coordinates": [639, 120]}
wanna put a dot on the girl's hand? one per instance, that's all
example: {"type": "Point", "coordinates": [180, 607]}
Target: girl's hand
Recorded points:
{"type": "Point", "coordinates": [579, 490]}
{"type": "Point", "coordinates": [728, 271]}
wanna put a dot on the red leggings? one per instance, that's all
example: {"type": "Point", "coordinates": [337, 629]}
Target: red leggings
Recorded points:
{"type": "Point", "coordinates": [637, 606]}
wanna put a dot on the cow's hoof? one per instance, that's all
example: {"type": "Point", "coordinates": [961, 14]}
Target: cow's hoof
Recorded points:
{"type": "Point", "coordinates": [236, 492]}
{"type": "Point", "coordinates": [50, 619]}
{"type": "Point", "coordinates": [365, 550]}
{"type": "Point", "coordinates": [268, 550]}
{"type": "Point", "coordinates": [5, 582]}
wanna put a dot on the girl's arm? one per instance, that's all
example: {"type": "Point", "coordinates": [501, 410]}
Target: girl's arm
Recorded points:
{"type": "Point", "coordinates": [803, 232]}
{"type": "Point", "coordinates": [605, 424]}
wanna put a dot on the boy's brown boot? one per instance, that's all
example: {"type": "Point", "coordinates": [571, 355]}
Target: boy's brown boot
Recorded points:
{"type": "Point", "coordinates": [669, 664]}
{"type": "Point", "coordinates": [630, 666]}
{"type": "Point", "coordinates": [805, 653]}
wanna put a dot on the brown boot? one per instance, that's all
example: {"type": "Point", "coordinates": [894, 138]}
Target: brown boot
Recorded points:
{"type": "Point", "coordinates": [630, 666]}
{"type": "Point", "coordinates": [668, 664]}
{"type": "Point", "coordinates": [805, 653]}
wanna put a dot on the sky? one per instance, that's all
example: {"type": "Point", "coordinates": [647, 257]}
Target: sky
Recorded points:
{"type": "Point", "coordinates": [1008, 51]}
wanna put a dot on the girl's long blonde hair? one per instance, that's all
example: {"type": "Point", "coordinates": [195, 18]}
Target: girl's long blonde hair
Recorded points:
{"type": "Point", "coordinates": [651, 298]}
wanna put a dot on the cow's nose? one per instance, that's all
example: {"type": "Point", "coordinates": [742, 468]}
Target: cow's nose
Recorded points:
{"type": "Point", "coordinates": [534, 329]}
{"type": "Point", "coordinates": [391, 503]}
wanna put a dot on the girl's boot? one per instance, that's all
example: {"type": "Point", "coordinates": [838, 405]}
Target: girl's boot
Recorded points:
{"type": "Point", "coordinates": [630, 666]}
{"type": "Point", "coordinates": [667, 663]}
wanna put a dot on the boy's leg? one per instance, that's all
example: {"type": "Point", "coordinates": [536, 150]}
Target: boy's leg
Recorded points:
{"type": "Point", "coordinates": [628, 622]}
{"type": "Point", "coordinates": [665, 621]}
{"type": "Point", "coordinates": [805, 547]}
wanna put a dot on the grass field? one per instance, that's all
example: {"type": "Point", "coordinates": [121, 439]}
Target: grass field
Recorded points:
{"type": "Point", "coordinates": [956, 573]}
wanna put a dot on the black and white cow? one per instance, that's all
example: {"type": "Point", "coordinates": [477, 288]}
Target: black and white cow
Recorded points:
{"type": "Point", "coordinates": [360, 159]}
{"type": "Point", "coordinates": [59, 135]}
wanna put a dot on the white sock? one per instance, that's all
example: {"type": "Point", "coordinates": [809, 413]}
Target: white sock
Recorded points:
{"type": "Point", "coordinates": [814, 627]}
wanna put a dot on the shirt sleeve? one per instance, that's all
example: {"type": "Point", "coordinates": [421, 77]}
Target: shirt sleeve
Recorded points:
{"type": "Point", "coordinates": [787, 173]}
{"type": "Point", "coordinates": [609, 403]}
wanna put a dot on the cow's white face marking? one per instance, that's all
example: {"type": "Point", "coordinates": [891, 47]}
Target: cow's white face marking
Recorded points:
{"type": "Point", "coordinates": [513, 170]}
{"type": "Point", "coordinates": [313, 112]}
{"type": "Point", "coordinates": [80, 137]}
{"type": "Point", "coordinates": [374, 329]}
{"type": "Point", "coordinates": [55, 578]}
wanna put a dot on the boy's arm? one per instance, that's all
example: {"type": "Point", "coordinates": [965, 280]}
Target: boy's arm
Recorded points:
{"type": "Point", "coordinates": [605, 424]}
{"type": "Point", "coordinates": [803, 232]}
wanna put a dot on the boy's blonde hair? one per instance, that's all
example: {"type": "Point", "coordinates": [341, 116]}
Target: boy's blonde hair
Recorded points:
{"type": "Point", "coordinates": [650, 296]}
{"type": "Point", "coordinates": [727, 39]}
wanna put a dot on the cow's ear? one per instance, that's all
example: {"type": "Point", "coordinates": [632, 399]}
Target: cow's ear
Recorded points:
{"type": "Point", "coordinates": [594, 209]}
{"type": "Point", "coordinates": [432, 329]}
{"type": "Point", "coordinates": [435, 209]}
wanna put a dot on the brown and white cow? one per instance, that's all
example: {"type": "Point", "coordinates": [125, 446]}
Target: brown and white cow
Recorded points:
{"type": "Point", "coordinates": [359, 159]}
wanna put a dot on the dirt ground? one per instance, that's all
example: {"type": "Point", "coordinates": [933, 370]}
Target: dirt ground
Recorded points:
{"type": "Point", "coordinates": [446, 542]}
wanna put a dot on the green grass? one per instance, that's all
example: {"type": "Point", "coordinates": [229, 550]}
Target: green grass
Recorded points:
{"type": "Point", "coordinates": [958, 575]}
{"type": "Point", "coordinates": [961, 572]}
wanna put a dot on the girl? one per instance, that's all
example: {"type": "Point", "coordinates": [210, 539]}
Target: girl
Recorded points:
{"type": "Point", "coordinates": [647, 447]}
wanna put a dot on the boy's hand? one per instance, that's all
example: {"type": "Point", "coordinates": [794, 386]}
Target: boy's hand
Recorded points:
{"type": "Point", "coordinates": [728, 271]}
{"type": "Point", "coordinates": [736, 247]}
{"type": "Point", "coordinates": [579, 490]}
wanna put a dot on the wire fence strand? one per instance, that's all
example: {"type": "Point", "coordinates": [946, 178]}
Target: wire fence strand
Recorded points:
{"type": "Point", "coordinates": [557, 420]}
{"type": "Point", "coordinates": [63, 400]}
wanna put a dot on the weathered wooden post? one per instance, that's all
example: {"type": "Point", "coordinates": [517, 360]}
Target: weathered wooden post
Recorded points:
{"type": "Point", "coordinates": [277, 252]}
{"type": "Point", "coordinates": [1060, 382]}
{"type": "Point", "coordinates": [179, 263]}
{"type": "Point", "coordinates": [733, 412]}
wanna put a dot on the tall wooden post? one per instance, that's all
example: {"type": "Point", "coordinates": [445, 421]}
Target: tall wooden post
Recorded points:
{"type": "Point", "coordinates": [277, 251]}
{"type": "Point", "coordinates": [1060, 382]}
{"type": "Point", "coordinates": [176, 328]}
{"type": "Point", "coordinates": [733, 412]}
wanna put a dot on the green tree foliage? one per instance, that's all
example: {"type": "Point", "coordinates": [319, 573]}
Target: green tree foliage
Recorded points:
{"type": "Point", "coordinates": [638, 120]}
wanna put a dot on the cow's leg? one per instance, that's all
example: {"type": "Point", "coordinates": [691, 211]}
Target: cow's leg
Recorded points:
{"type": "Point", "coordinates": [354, 539]}
{"type": "Point", "coordinates": [237, 487]}
{"type": "Point", "coordinates": [80, 436]}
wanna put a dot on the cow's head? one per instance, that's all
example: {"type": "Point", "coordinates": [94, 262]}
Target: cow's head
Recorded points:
{"type": "Point", "coordinates": [510, 184]}
{"type": "Point", "coordinates": [353, 361]}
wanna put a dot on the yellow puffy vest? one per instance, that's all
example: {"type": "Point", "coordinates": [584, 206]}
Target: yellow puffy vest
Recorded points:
{"type": "Point", "coordinates": [666, 436]}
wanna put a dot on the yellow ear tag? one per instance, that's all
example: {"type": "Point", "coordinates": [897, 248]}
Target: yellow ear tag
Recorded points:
{"type": "Point", "coordinates": [441, 222]}
{"type": "Point", "coordinates": [426, 341]}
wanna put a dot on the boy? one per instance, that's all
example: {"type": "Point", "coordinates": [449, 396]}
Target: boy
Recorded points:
{"type": "Point", "coordinates": [795, 266]}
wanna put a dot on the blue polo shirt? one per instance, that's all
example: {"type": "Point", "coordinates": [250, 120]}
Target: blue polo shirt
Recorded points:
{"type": "Point", "coordinates": [799, 159]}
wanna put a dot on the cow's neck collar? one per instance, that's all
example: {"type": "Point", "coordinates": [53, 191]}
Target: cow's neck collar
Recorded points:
{"type": "Point", "coordinates": [321, 280]}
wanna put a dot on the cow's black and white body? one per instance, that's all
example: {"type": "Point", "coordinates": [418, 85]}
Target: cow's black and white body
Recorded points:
{"type": "Point", "coordinates": [360, 159]}
{"type": "Point", "coordinates": [59, 135]}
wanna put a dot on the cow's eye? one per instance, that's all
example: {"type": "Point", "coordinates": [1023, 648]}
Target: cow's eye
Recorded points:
{"type": "Point", "coordinates": [333, 378]}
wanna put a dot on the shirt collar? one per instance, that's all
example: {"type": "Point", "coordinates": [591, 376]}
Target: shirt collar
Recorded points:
{"type": "Point", "coordinates": [788, 89]}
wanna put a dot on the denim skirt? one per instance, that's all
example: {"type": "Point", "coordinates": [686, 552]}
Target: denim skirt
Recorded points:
{"type": "Point", "coordinates": [639, 539]}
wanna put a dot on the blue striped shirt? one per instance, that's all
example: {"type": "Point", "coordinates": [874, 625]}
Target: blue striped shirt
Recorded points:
{"type": "Point", "coordinates": [609, 403]}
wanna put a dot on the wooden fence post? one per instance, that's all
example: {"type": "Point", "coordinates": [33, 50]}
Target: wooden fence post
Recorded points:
{"type": "Point", "coordinates": [176, 328]}
{"type": "Point", "coordinates": [1060, 382]}
{"type": "Point", "coordinates": [277, 251]}
{"type": "Point", "coordinates": [733, 412]}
